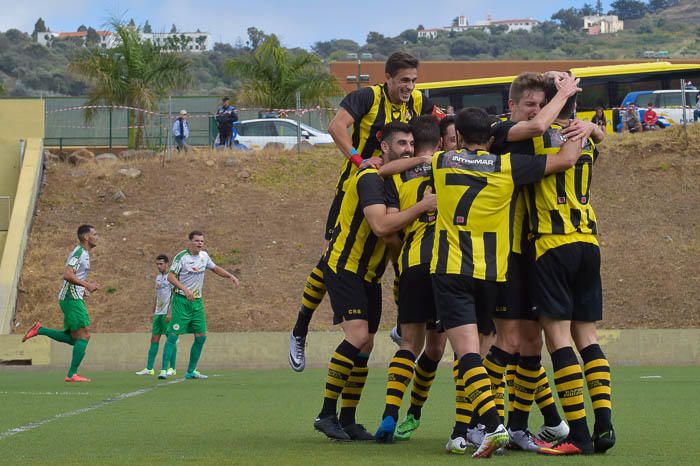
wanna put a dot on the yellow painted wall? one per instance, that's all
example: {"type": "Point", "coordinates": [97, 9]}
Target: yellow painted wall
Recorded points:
{"type": "Point", "coordinates": [19, 119]}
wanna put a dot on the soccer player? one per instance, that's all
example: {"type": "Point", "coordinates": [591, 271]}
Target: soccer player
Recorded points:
{"type": "Point", "coordinates": [160, 317]}
{"type": "Point", "coordinates": [364, 112]}
{"type": "Point", "coordinates": [76, 322]}
{"type": "Point", "coordinates": [354, 264]}
{"type": "Point", "coordinates": [519, 342]}
{"type": "Point", "coordinates": [187, 277]}
{"type": "Point", "coordinates": [416, 304]}
{"type": "Point", "coordinates": [567, 294]}
{"type": "Point", "coordinates": [475, 190]}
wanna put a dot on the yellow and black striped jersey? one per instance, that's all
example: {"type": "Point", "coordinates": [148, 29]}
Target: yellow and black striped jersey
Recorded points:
{"type": "Point", "coordinates": [354, 247]}
{"type": "Point", "coordinates": [410, 187]}
{"type": "Point", "coordinates": [559, 204]}
{"type": "Point", "coordinates": [371, 109]}
{"type": "Point", "coordinates": [475, 193]}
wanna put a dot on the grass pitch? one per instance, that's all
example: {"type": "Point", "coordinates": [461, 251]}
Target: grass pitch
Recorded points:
{"type": "Point", "coordinates": [265, 417]}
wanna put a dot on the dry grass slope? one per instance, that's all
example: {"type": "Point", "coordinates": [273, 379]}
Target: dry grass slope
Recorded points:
{"type": "Point", "coordinates": [264, 215]}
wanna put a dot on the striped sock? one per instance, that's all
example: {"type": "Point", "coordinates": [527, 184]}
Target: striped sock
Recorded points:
{"type": "Point", "coordinates": [463, 409]}
{"type": "Point", "coordinates": [426, 369]}
{"type": "Point", "coordinates": [597, 371]}
{"type": "Point", "coordinates": [495, 364]}
{"type": "Point", "coordinates": [314, 291]}
{"type": "Point", "coordinates": [477, 388]}
{"type": "Point", "coordinates": [353, 390]}
{"type": "Point", "coordinates": [510, 379]}
{"type": "Point", "coordinates": [568, 379]}
{"type": "Point", "coordinates": [545, 400]}
{"type": "Point", "coordinates": [524, 386]}
{"type": "Point", "coordinates": [399, 375]}
{"type": "Point", "coordinates": [339, 370]}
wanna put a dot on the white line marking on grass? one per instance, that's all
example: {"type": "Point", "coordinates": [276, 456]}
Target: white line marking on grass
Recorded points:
{"type": "Point", "coordinates": [46, 393]}
{"type": "Point", "coordinates": [101, 404]}
{"type": "Point", "coordinates": [650, 377]}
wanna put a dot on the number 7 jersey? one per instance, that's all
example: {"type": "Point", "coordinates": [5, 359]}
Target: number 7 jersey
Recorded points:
{"type": "Point", "coordinates": [476, 199]}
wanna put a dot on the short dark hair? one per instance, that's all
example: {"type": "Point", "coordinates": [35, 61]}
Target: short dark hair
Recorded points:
{"type": "Point", "coordinates": [445, 123]}
{"type": "Point", "coordinates": [162, 257]}
{"type": "Point", "coordinates": [426, 132]}
{"type": "Point", "coordinates": [525, 82]}
{"type": "Point", "coordinates": [194, 233]}
{"type": "Point", "coordinates": [390, 129]}
{"type": "Point", "coordinates": [84, 230]}
{"type": "Point", "coordinates": [400, 61]}
{"type": "Point", "coordinates": [474, 124]}
{"type": "Point", "coordinates": [550, 90]}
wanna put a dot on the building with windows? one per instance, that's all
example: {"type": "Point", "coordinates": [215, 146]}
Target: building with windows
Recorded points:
{"type": "Point", "coordinates": [602, 24]}
{"type": "Point", "coordinates": [463, 25]}
{"type": "Point", "coordinates": [194, 42]}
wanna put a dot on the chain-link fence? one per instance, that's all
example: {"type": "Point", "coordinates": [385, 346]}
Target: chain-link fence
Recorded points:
{"type": "Point", "coordinates": [116, 126]}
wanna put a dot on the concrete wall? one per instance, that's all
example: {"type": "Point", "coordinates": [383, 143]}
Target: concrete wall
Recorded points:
{"type": "Point", "coordinates": [19, 119]}
{"type": "Point", "coordinates": [127, 351]}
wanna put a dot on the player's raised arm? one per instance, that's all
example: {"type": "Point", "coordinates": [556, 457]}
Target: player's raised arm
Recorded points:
{"type": "Point", "coordinates": [220, 271]}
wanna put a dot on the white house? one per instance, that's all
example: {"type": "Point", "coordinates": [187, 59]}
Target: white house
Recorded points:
{"type": "Point", "coordinates": [602, 24]}
{"type": "Point", "coordinates": [516, 24]}
{"type": "Point", "coordinates": [194, 42]}
{"type": "Point", "coordinates": [463, 25]}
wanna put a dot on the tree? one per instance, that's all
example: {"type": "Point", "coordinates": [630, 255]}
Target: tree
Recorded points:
{"type": "Point", "coordinates": [455, 21]}
{"type": "Point", "coordinates": [326, 48]}
{"type": "Point", "coordinates": [599, 7]}
{"type": "Point", "coordinates": [82, 28]}
{"type": "Point", "coordinates": [658, 5]}
{"type": "Point", "coordinates": [39, 26]}
{"type": "Point", "coordinates": [628, 9]}
{"type": "Point", "coordinates": [255, 38]}
{"type": "Point", "coordinates": [173, 29]}
{"type": "Point", "coordinates": [147, 28]}
{"type": "Point", "coordinates": [569, 19]}
{"type": "Point", "coordinates": [132, 24]}
{"type": "Point", "coordinates": [2, 87]}
{"type": "Point", "coordinates": [420, 28]}
{"type": "Point", "coordinates": [271, 75]}
{"type": "Point", "coordinates": [92, 39]}
{"type": "Point", "coordinates": [586, 10]}
{"type": "Point", "coordinates": [134, 73]}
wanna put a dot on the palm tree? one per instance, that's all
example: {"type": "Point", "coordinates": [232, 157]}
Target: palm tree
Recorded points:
{"type": "Point", "coordinates": [134, 73]}
{"type": "Point", "coordinates": [271, 75]}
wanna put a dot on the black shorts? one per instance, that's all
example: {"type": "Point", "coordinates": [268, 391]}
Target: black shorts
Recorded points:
{"type": "Point", "coordinates": [461, 300]}
{"type": "Point", "coordinates": [353, 298]}
{"type": "Point", "coordinates": [567, 283]}
{"type": "Point", "coordinates": [416, 301]}
{"type": "Point", "coordinates": [333, 213]}
{"type": "Point", "coordinates": [515, 302]}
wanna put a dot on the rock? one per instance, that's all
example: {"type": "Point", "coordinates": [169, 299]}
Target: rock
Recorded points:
{"type": "Point", "coordinates": [306, 147]}
{"type": "Point", "coordinates": [230, 162]}
{"type": "Point", "coordinates": [81, 156]}
{"type": "Point", "coordinates": [129, 213]}
{"type": "Point", "coordinates": [130, 172]}
{"type": "Point", "coordinates": [119, 196]}
{"type": "Point", "coordinates": [106, 156]}
{"type": "Point", "coordinates": [244, 174]}
{"type": "Point", "coordinates": [140, 153]}
{"type": "Point", "coordinates": [274, 146]}
{"type": "Point", "coordinates": [210, 163]}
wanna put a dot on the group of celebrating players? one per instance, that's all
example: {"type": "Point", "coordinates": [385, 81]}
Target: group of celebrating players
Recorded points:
{"type": "Point", "coordinates": [489, 226]}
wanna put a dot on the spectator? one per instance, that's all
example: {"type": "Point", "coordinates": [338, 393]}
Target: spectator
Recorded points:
{"type": "Point", "coordinates": [631, 121]}
{"type": "Point", "coordinates": [450, 110]}
{"type": "Point", "coordinates": [181, 131]}
{"type": "Point", "coordinates": [599, 118]}
{"type": "Point", "coordinates": [650, 118]}
{"type": "Point", "coordinates": [696, 112]}
{"type": "Point", "coordinates": [225, 118]}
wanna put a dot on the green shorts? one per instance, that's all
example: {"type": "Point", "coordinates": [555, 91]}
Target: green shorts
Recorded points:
{"type": "Point", "coordinates": [75, 315]}
{"type": "Point", "coordinates": [187, 317]}
{"type": "Point", "coordinates": [160, 326]}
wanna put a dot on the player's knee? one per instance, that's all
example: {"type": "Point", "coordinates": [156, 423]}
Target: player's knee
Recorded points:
{"type": "Point", "coordinates": [200, 339]}
{"type": "Point", "coordinates": [172, 338]}
{"type": "Point", "coordinates": [434, 350]}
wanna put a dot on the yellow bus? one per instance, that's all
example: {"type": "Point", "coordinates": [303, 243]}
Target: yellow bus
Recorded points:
{"type": "Point", "coordinates": [603, 86]}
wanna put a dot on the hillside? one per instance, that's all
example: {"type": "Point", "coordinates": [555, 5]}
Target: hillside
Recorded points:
{"type": "Point", "coordinates": [263, 215]}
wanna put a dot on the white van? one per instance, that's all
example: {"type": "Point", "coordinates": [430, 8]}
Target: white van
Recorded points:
{"type": "Point", "coordinates": [666, 104]}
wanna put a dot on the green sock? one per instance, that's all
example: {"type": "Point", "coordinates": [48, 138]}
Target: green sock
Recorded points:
{"type": "Point", "coordinates": [168, 350]}
{"type": "Point", "coordinates": [152, 352]}
{"type": "Point", "coordinates": [173, 357]}
{"type": "Point", "coordinates": [78, 354]}
{"type": "Point", "coordinates": [58, 335]}
{"type": "Point", "coordinates": [196, 352]}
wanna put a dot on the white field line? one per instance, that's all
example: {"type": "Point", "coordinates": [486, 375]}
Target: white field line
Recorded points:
{"type": "Point", "coordinates": [46, 393]}
{"type": "Point", "coordinates": [101, 404]}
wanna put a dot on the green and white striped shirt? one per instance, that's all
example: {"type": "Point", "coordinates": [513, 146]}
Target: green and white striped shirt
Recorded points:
{"type": "Point", "coordinates": [79, 260]}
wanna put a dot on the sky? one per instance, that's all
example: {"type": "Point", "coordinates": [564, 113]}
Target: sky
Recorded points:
{"type": "Point", "coordinates": [298, 23]}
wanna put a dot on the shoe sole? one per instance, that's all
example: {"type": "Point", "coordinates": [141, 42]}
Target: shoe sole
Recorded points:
{"type": "Point", "coordinates": [384, 437]}
{"type": "Point", "coordinates": [495, 445]}
{"type": "Point", "coordinates": [602, 447]}
{"type": "Point", "coordinates": [335, 439]}
{"type": "Point", "coordinates": [294, 367]}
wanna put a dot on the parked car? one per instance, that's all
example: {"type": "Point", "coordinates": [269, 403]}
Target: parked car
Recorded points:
{"type": "Point", "coordinates": [666, 104]}
{"type": "Point", "coordinates": [257, 133]}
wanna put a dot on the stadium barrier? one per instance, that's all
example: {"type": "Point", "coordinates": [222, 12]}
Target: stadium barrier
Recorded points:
{"type": "Point", "coordinates": [245, 350]}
